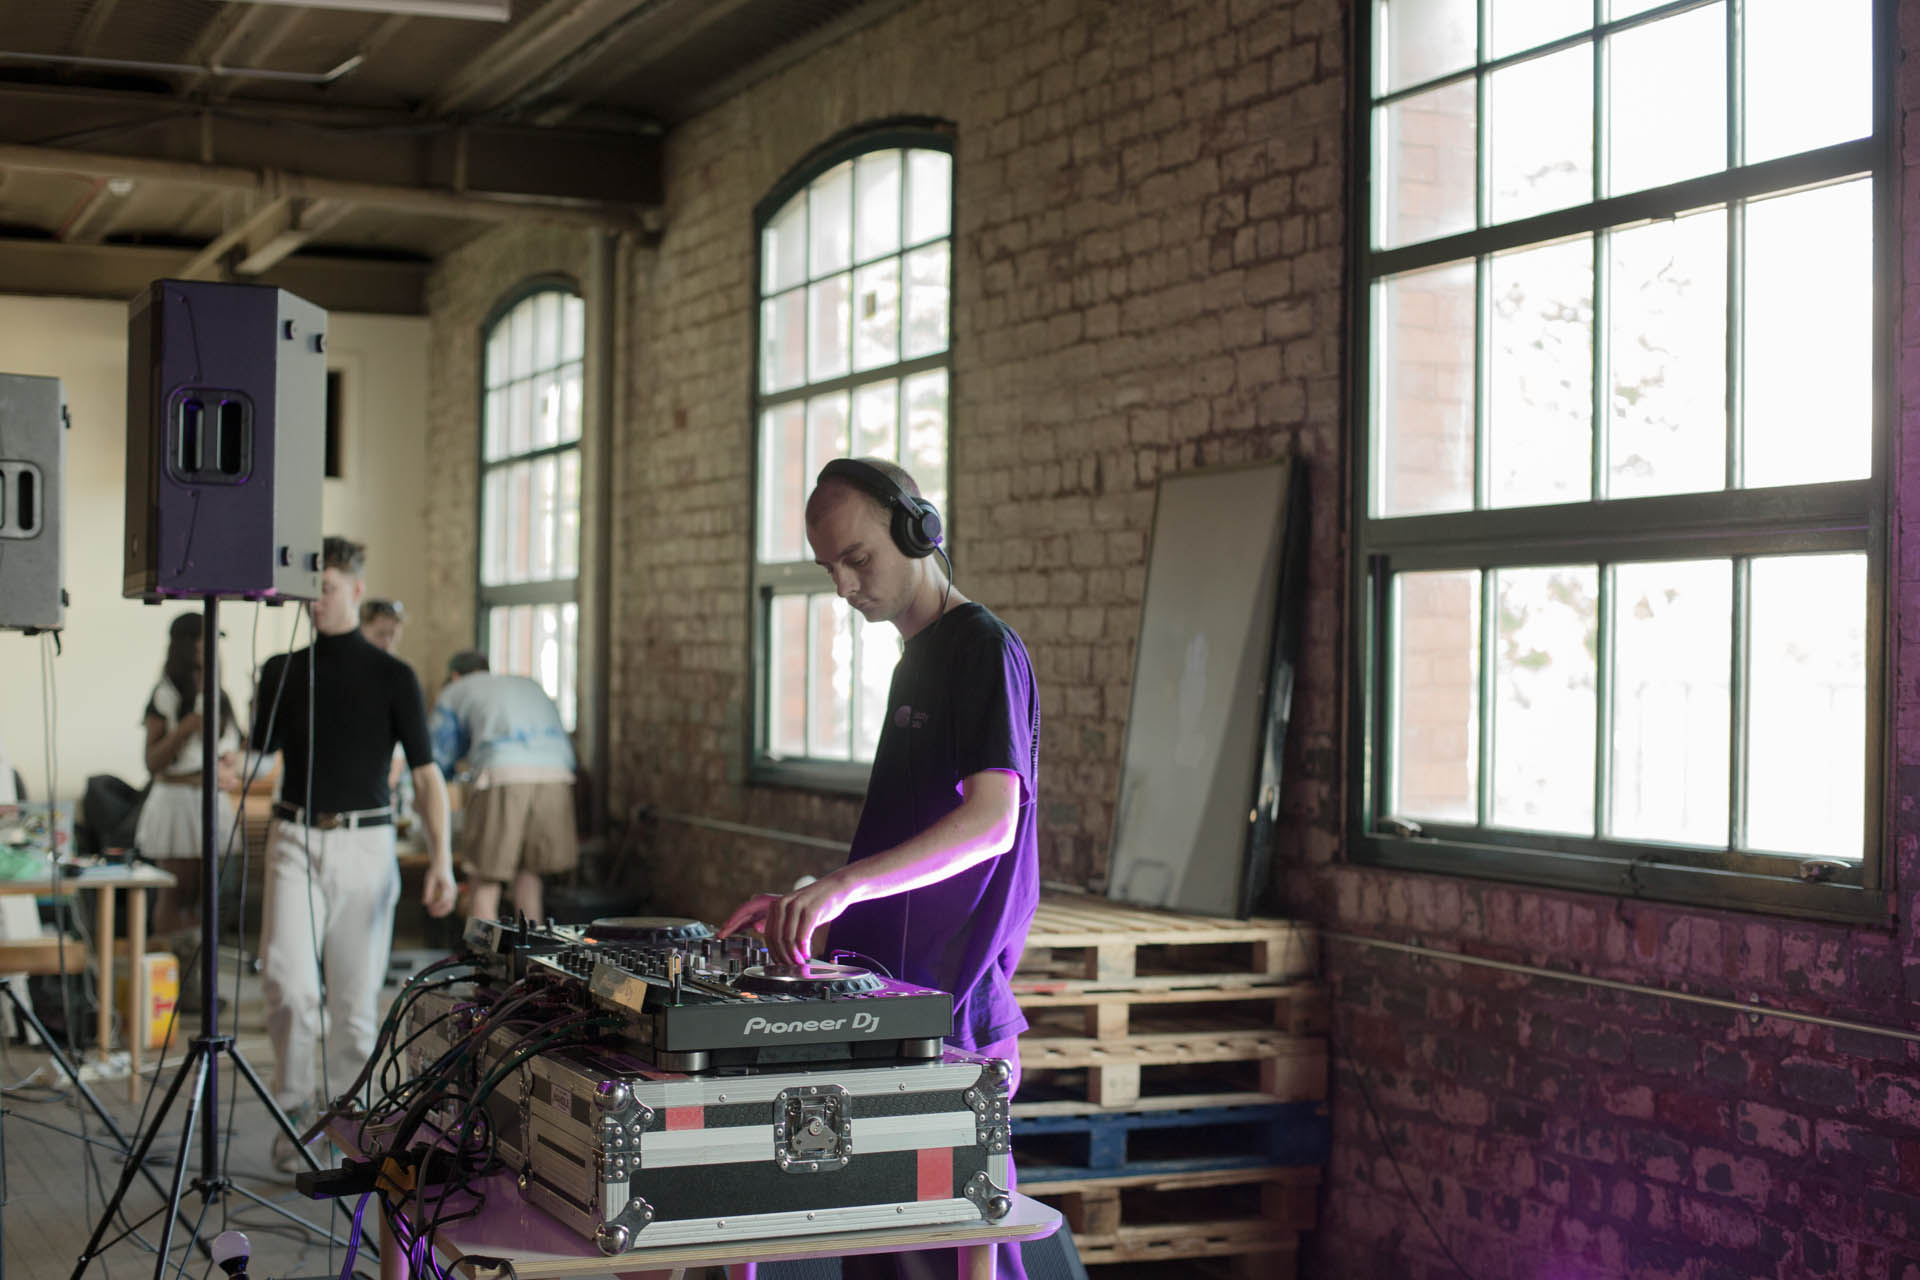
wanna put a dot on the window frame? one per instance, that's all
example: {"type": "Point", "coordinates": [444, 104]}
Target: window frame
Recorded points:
{"type": "Point", "coordinates": [1850, 515]}
{"type": "Point", "coordinates": [559, 591]}
{"type": "Point", "coordinates": [766, 579]}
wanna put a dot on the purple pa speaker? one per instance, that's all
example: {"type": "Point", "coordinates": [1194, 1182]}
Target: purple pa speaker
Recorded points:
{"type": "Point", "coordinates": [33, 466]}
{"type": "Point", "coordinates": [226, 431]}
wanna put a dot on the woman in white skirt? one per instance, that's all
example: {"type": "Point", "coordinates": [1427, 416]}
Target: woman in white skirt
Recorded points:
{"type": "Point", "coordinates": [169, 825]}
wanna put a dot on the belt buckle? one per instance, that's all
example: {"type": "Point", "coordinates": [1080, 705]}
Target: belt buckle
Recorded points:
{"type": "Point", "coordinates": [328, 821]}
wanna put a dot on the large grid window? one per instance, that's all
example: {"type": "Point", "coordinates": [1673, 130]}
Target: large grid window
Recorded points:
{"type": "Point", "coordinates": [855, 267]}
{"type": "Point", "coordinates": [1621, 522]}
{"type": "Point", "coordinates": [529, 601]}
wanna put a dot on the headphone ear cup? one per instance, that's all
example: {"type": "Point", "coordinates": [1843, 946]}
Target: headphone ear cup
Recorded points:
{"type": "Point", "coordinates": [916, 527]}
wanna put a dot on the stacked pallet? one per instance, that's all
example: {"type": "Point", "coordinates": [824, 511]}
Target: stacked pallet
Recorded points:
{"type": "Point", "coordinates": [1174, 1100]}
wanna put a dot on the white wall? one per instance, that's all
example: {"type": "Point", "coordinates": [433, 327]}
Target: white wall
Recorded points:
{"type": "Point", "coordinates": [113, 647]}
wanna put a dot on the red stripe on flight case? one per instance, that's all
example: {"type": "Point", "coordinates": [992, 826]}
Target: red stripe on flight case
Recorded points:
{"type": "Point", "coordinates": [686, 1117]}
{"type": "Point", "coordinates": [936, 1173]}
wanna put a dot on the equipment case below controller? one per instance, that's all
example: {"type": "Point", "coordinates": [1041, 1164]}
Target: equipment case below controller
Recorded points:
{"type": "Point", "coordinates": [630, 1155]}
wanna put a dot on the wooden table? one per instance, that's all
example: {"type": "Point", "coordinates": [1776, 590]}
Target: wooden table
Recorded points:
{"type": "Point", "coordinates": [109, 879]}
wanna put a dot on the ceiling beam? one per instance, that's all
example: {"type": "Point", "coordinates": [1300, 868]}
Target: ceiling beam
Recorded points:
{"type": "Point", "coordinates": [679, 21]}
{"type": "Point", "coordinates": [84, 223]}
{"type": "Point", "coordinates": [530, 51]}
{"type": "Point", "coordinates": [46, 268]}
{"type": "Point", "coordinates": [306, 220]}
{"type": "Point", "coordinates": [210, 262]}
{"type": "Point", "coordinates": [385, 159]}
{"type": "Point", "coordinates": [92, 25]}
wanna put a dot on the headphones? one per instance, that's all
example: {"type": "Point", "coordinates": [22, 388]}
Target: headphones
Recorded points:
{"type": "Point", "coordinates": [914, 522]}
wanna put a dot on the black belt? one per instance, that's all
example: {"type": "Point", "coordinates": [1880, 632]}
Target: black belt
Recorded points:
{"type": "Point", "coordinates": [351, 819]}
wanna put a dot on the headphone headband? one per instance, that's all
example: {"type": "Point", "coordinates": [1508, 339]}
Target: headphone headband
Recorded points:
{"type": "Point", "coordinates": [914, 522]}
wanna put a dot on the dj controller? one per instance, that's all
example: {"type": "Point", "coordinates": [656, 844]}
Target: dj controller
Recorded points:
{"type": "Point", "coordinates": [720, 1095]}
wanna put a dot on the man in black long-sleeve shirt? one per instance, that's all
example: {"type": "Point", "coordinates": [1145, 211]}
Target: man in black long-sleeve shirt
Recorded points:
{"type": "Point", "coordinates": [332, 878]}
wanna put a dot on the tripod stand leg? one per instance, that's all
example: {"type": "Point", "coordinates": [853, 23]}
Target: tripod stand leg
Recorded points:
{"type": "Point", "coordinates": [261, 1091]}
{"type": "Point", "coordinates": [180, 1164]}
{"type": "Point", "coordinates": [137, 1162]}
{"type": "Point", "coordinates": [25, 1010]}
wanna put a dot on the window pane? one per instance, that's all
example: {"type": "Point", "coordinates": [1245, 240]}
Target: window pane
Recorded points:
{"type": "Point", "coordinates": [1421, 39]}
{"type": "Point", "coordinates": [826, 431]}
{"type": "Point", "coordinates": [783, 341]}
{"type": "Point", "coordinates": [926, 301]}
{"type": "Point", "coordinates": [827, 318]}
{"type": "Point", "coordinates": [830, 221]}
{"type": "Point", "coordinates": [924, 403]}
{"type": "Point", "coordinates": [542, 534]}
{"type": "Point", "coordinates": [1806, 719]}
{"type": "Point", "coordinates": [1514, 25]}
{"type": "Point", "coordinates": [494, 428]}
{"type": "Point", "coordinates": [876, 220]}
{"type": "Point", "coordinates": [546, 411]}
{"type": "Point", "coordinates": [1667, 109]}
{"type": "Point", "coordinates": [929, 195]}
{"type": "Point", "coordinates": [520, 325]}
{"type": "Point", "coordinates": [573, 328]}
{"type": "Point", "coordinates": [1539, 394]}
{"type": "Point", "coordinates": [1627, 8]}
{"type": "Point", "coordinates": [1543, 705]}
{"type": "Point", "coordinates": [493, 543]}
{"type": "Point", "coordinates": [783, 482]}
{"type": "Point", "coordinates": [1436, 697]}
{"type": "Point", "coordinates": [570, 402]}
{"type": "Point", "coordinates": [519, 521]}
{"type": "Point", "coordinates": [499, 352]}
{"type": "Point", "coordinates": [1809, 74]}
{"type": "Point", "coordinates": [567, 555]}
{"type": "Point", "coordinates": [783, 247]}
{"type": "Point", "coordinates": [1425, 154]}
{"type": "Point", "coordinates": [1423, 394]}
{"type": "Point", "coordinates": [1667, 426]}
{"type": "Point", "coordinates": [787, 676]}
{"type": "Point", "coordinates": [878, 647]}
{"type": "Point", "coordinates": [1672, 637]}
{"type": "Point", "coordinates": [519, 416]}
{"type": "Point", "coordinates": [829, 678]}
{"type": "Point", "coordinates": [497, 637]}
{"type": "Point", "coordinates": [876, 314]}
{"type": "Point", "coordinates": [875, 429]}
{"type": "Point", "coordinates": [1809, 357]}
{"type": "Point", "coordinates": [546, 330]}
{"type": "Point", "coordinates": [1540, 134]}
{"type": "Point", "coordinates": [567, 694]}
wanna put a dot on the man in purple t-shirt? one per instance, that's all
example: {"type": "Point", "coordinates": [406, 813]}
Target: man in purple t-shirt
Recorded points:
{"type": "Point", "coordinates": [943, 878]}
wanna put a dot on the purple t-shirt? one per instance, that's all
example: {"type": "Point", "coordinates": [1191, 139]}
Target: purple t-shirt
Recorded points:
{"type": "Point", "coordinates": [962, 701]}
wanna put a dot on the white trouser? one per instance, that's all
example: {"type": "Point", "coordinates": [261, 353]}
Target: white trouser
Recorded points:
{"type": "Point", "coordinates": [347, 921]}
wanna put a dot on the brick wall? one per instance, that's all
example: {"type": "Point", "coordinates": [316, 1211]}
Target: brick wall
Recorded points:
{"type": "Point", "coordinates": [1147, 273]}
{"type": "Point", "coordinates": [1148, 277]}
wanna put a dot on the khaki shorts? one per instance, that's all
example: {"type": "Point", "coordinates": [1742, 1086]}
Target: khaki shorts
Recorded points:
{"type": "Point", "coordinates": [519, 826]}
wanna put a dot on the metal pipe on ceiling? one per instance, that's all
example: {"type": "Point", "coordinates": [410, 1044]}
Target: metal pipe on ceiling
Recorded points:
{"type": "Point", "coordinates": [345, 68]}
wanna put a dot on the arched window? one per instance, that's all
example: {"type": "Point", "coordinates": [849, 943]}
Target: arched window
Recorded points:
{"type": "Point", "coordinates": [528, 612]}
{"type": "Point", "coordinates": [855, 317]}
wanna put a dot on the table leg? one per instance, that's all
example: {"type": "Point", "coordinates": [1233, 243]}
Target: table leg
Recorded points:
{"type": "Point", "coordinates": [393, 1263]}
{"type": "Point", "coordinates": [977, 1260]}
{"type": "Point", "coordinates": [103, 944]}
{"type": "Point", "coordinates": [137, 975]}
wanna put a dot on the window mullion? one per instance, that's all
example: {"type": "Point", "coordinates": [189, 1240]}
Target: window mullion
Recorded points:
{"type": "Point", "coordinates": [1488, 692]}
{"type": "Point", "coordinates": [1738, 703]}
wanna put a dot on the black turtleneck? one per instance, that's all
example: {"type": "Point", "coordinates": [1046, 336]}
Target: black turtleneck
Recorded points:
{"type": "Point", "coordinates": [364, 701]}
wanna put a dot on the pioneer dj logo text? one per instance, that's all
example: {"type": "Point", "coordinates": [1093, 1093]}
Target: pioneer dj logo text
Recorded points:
{"type": "Point", "coordinates": [858, 1022]}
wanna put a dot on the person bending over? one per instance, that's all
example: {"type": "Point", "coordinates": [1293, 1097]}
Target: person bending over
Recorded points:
{"type": "Point", "coordinates": [943, 878]}
{"type": "Point", "coordinates": [519, 820]}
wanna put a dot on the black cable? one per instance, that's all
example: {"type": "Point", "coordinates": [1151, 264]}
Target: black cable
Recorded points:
{"type": "Point", "coordinates": [1380, 1131]}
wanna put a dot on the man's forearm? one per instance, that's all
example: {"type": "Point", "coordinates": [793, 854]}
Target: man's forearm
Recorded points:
{"type": "Point", "coordinates": [981, 828]}
{"type": "Point", "coordinates": [430, 802]}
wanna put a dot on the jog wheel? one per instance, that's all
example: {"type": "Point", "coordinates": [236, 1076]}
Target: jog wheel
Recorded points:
{"type": "Point", "coordinates": [807, 980]}
{"type": "Point", "coordinates": [648, 931]}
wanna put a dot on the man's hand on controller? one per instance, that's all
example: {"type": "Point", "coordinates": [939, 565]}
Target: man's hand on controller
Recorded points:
{"type": "Point", "coordinates": [789, 920]}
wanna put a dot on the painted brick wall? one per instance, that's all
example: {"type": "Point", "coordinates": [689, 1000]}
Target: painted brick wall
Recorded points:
{"type": "Point", "coordinates": [1147, 273]}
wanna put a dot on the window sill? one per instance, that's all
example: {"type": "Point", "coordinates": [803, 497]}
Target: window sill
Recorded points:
{"type": "Point", "coordinates": [1647, 880]}
{"type": "Point", "coordinates": [810, 775]}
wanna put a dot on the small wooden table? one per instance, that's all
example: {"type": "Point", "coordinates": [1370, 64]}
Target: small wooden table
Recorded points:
{"type": "Point", "coordinates": [109, 879]}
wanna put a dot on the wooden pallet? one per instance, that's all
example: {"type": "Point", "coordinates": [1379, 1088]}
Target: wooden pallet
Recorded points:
{"type": "Point", "coordinates": [1147, 1218]}
{"type": "Point", "coordinates": [1159, 1143]}
{"type": "Point", "coordinates": [1291, 1068]}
